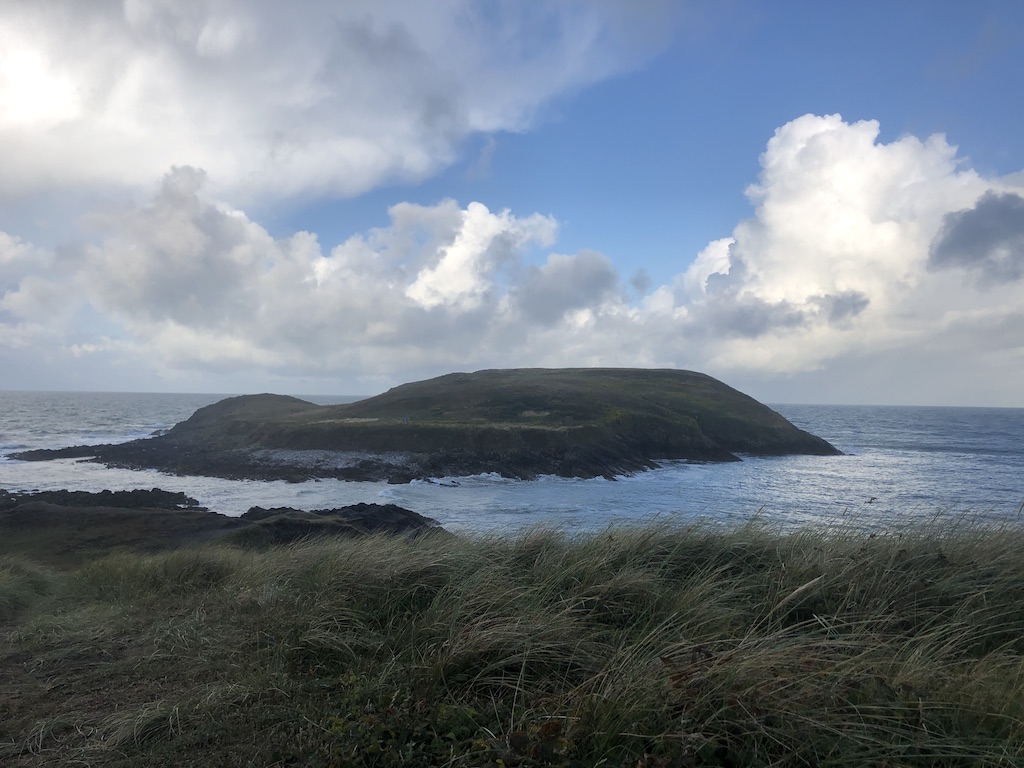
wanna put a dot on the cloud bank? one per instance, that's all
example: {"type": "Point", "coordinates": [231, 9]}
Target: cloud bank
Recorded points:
{"type": "Point", "coordinates": [898, 255]}
{"type": "Point", "coordinates": [272, 99]}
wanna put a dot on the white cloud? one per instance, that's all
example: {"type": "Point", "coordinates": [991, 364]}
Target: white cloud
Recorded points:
{"type": "Point", "coordinates": [713, 260]}
{"type": "Point", "coordinates": [853, 262]}
{"type": "Point", "coordinates": [272, 100]}
{"type": "Point", "coordinates": [195, 284]}
{"type": "Point", "coordinates": [841, 234]}
{"type": "Point", "coordinates": [461, 276]}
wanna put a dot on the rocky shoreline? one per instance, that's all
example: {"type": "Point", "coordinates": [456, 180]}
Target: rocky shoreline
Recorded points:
{"type": "Point", "coordinates": [68, 527]}
{"type": "Point", "coordinates": [296, 465]}
{"type": "Point", "coordinates": [290, 465]}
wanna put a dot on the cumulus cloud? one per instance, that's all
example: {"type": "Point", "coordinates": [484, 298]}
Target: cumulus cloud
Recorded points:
{"type": "Point", "coordinates": [855, 251]}
{"type": "Point", "coordinates": [835, 257]}
{"type": "Point", "coordinates": [178, 259]}
{"type": "Point", "coordinates": [316, 98]}
{"type": "Point", "coordinates": [197, 284]}
{"type": "Point", "coordinates": [460, 277]}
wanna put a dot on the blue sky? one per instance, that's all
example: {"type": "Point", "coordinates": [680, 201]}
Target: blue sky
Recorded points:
{"type": "Point", "coordinates": [815, 202]}
{"type": "Point", "coordinates": [650, 165]}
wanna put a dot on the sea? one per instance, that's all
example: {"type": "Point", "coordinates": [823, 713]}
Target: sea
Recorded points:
{"type": "Point", "coordinates": [900, 466]}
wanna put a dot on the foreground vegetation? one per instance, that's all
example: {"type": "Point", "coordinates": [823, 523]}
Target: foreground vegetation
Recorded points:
{"type": "Point", "coordinates": [649, 647]}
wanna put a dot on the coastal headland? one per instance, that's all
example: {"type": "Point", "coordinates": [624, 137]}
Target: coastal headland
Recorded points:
{"type": "Point", "coordinates": [520, 423]}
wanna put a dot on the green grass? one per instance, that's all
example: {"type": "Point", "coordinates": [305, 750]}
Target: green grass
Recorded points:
{"type": "Point", "coordinates": [651, 646]}
{"type": "Point", "coordinates": [655, 413]}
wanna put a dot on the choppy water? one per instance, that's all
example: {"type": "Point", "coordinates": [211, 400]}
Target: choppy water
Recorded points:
{"type": "Point", "coordinates": [901, 464]}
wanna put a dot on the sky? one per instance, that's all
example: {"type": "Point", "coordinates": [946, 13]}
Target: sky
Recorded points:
{"type": "Point", "coordinates": [813, 202]}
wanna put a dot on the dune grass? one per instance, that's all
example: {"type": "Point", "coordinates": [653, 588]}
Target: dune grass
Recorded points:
{"type": "Point", "coordinates": [652, 646]}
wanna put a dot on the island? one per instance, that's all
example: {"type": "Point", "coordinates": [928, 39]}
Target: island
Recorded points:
{"type": "Point", "coordinates": [520, 423]}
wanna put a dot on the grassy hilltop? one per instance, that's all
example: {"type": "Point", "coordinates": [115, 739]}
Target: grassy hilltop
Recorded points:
{"type": "Point", "coordinates": [519, 423]}
{"type": "Point", "coordinates": [638, 648]}
{"type": "Point", "coordinates": [661, 413]}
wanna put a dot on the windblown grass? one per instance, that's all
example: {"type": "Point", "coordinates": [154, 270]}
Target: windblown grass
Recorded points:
{"type": "Point", "coordinates": [21, 584]}
{"type": "Point", "coordinates": [653, 646]}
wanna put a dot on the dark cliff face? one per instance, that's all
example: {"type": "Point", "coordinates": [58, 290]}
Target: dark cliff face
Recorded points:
{"type": "Point", "coordinates": [520, 423]}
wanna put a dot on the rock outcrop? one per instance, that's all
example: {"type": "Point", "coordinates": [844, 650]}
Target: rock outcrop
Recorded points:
{"type": "Point", "coordinates": [281, 525]}
{"type": "Point", "coordinates": [66, 528]}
